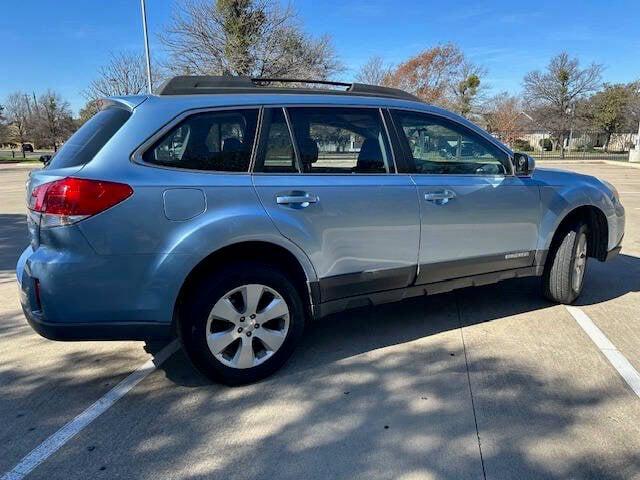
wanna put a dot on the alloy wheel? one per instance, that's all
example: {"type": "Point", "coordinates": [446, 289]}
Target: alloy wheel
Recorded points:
{"type": "Point", "coordinates": [247, 326]}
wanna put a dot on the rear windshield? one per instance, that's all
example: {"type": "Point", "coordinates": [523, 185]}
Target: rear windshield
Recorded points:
{"type": "Point", "coordinates": [90, 138]}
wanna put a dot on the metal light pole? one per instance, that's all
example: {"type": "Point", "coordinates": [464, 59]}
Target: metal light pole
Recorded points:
{"type": "Point", "coordinates": [146, 46]}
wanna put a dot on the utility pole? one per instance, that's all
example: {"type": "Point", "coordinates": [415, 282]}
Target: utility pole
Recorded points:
{"type": "Point", "coordinates": [146, 46]}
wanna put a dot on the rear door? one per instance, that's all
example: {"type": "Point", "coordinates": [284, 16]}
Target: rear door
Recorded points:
{"type": "Point", "coordinates": [326, 176]}
{"type": "Point", "coordinates": [477, 217]}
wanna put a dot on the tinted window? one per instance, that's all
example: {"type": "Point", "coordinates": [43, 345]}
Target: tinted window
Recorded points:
{"type": "Point", "coordinates": [439, 146]}
{"type": "Point", "coordinates": [220, 141]}
{"type": "Point", "coordinates": [340, 140]}
{"type": "Point", "coordinates": [278, 156]}
{"type": "Point", "coordinates": [90, 138]}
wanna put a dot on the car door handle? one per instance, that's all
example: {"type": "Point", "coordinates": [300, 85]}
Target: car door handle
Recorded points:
{"type": "Point", "coordinates": [297, 199]}
{"type": "Point", "coordinates": [440, 197]}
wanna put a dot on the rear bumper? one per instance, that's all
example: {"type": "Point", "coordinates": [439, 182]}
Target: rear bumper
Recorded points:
{"type": "Point", "coordinates": [61, 329]}
{"type": "Point", "coordinates": [95, 331]}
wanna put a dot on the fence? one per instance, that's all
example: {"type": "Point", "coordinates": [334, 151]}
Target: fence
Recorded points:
{"type": "Point", "coordinates": [578, 145]}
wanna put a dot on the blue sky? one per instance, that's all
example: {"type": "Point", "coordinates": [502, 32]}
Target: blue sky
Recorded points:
{"type": "Point", "coordinates": [60, 44]}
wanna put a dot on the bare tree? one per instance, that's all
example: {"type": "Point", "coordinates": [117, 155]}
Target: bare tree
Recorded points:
{"type": "Point", "coordinates": [554, 93]}
{"type": "Point", "coordinates": [124, 74]}
{"type": "Point", "coordinates": [18, 113]}
{"type": "Point", "coordinates": [244, 37]}
{"type": "Point", "coordinates": [441, 75]}
{"type": "Point", "coordinates": [52, 123]}
{"type": "Point", "coordinates": [428, 75]}
{"type": "Point", "coordinates": [504, 117]}
{"type": "Point", "coordinates": [374, 72]}
{"type": "Point", "coordinates": [89, 110]}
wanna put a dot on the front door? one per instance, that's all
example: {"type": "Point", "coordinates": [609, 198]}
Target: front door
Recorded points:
{"type": "Point", "coordinates": [334, 192]}
{"type": "Point", "coordinates": [476, 216]}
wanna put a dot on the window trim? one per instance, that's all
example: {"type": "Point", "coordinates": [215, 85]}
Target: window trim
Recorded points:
{"type": "Point", "coordinates": [263, 138]}
{"type": "Point", "coordinates": [393, 166]}
{"type": "Point", "coordinates": [138, 154]}
{"type": "Point", "coordinates": [407, 152]}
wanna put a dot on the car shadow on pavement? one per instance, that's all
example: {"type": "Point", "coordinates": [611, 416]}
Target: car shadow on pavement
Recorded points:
{"type": "Point", "coordinates": [362, 330]}
{"type": "Point", "coordinates": [380, 393]}
{"type": "Point", "coordinates": [371, 393]}
{"type": "Point", "coordinates": [609, 280]}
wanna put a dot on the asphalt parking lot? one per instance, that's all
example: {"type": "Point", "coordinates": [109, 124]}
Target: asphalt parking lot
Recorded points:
{"type": "Point", "coordinates": [492, 382]}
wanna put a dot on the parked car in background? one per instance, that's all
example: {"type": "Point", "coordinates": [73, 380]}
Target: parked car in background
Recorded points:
{"type": "Point", "coordinates": [230, 213]}
{"type": "Point", "coordinates": [27, 147]}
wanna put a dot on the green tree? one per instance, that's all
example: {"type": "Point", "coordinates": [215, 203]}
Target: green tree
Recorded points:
{"type": "Point", "coordinates": [610, 110]}
{"type": "Point", "coordinates": [467, 89]}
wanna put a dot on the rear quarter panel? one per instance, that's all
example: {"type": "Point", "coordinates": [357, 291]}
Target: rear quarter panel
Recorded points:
{"type": "Point", "coordinates": [162, 251]}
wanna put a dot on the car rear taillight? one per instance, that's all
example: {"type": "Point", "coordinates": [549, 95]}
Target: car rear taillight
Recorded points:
{"type": "Point", "coordinates": [70, 200]}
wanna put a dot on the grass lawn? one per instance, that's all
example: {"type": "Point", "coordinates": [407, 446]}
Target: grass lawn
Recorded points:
{"type": "Point", "coordinates": [19, 159]}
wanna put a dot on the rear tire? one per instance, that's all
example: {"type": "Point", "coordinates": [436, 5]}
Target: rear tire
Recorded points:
{"type": "Point", "coordinates": [225, 325]}
{"type": "Point", "coordinates": [565, 268]}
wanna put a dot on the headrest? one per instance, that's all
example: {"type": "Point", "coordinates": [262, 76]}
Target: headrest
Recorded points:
{"type": "Point", "coordinates": [231, 144]}
{"type": "Point", "coordinates": [308, 150]}
{"type": "Point", "coordinates": [370, 157]}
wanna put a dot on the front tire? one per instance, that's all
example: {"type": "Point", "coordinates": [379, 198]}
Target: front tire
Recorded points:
{"type": "Point", "coordinates": [241, 323]}
{"type": "Point", "coordinates": [565, 269]}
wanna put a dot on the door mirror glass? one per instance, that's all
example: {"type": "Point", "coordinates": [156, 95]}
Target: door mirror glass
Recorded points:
{"type": "Point", "coordinates": [524, 164]}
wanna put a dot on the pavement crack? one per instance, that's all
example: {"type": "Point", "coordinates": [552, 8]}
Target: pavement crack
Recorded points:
{"type": "Point", "coordinates": [473, 404]}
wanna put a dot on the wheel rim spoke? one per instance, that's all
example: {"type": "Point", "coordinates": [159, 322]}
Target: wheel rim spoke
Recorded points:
{"type": "Point", "coordinates": [277, 308]}
{"type": "Point", "coordinates": [219, 341]}
{"type": "Point", "coordinates": [225, 310]}
{"type": "Point", "coordinates": [244, 357]}
{"type": "Point", "coordinates": [251, 295]}
{"type": "Point", "coordinates": [271, 339]}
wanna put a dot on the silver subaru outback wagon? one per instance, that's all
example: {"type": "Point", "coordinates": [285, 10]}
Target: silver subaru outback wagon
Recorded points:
{"type": "Point", "coordinates": [229, 213]}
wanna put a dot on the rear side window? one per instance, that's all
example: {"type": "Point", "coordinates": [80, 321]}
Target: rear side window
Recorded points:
{"type": "Point", "coordinates": [216, 141]}
{"type": "Point", "coordinates": [90, 138]}
{"type": "Point", "coordinates": [340, 140]}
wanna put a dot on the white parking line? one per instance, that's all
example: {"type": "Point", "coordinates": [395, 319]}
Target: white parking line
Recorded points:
{"type": "Point", "coordinates": [66, 433]}
{"type": "Point", "coordinates": [619, 361]}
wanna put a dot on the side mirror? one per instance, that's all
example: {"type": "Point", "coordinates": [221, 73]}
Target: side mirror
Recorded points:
{"type": "Point", "coordinates": [45, 159]}
{"type": "Point", "coordinates": [524, 164]}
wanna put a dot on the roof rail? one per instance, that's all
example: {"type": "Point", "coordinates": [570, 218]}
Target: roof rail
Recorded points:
{"type": "Point", "coordinates": [205, 84]}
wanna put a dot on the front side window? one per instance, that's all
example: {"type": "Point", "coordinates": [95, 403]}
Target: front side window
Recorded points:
{"type": "Point", "coordinates": [340, 140]}
{"type": "Point", "coordinates": [218, 141]}
{"type": "Point", "coordinates": [439, 146]}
